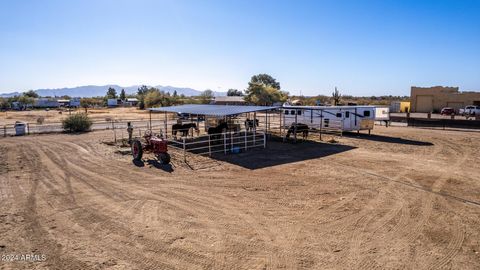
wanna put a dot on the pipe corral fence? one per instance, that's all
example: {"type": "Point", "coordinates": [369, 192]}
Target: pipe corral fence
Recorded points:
{"type": "Point", "coordinates": [210, 129]}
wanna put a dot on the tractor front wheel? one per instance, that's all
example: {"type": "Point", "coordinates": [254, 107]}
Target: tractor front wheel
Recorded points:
{"type": "Point", "coordinates": [164, 158]}
{"type": "Point", "coordinates": [137, 150]}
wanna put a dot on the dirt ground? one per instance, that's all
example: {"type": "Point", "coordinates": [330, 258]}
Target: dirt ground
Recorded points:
{"type": "Point", "coordinates": [56, 115]}
{"type": "Point", "coordinates": [403, 198]}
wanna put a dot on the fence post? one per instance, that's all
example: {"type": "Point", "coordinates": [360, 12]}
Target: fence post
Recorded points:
{"type": "Point", "coordinates": [184, 152]}
{"type": "Point", "coordinates": [246, 142]}
{"type": "Point", "coordinates": [264, 140]}
{"type": "Point", "coordinates": [114, 132]}
{"type": "Point", "coordinates": [231, 141]}
{"type": "Point", "coordinates": [28, 128]}
{"type": "Point", "coordinates": [209, 146]}
{"type": "Point", "coordinates": [5, 131]}
{"type": "Point", "coordinates": [224, 144]}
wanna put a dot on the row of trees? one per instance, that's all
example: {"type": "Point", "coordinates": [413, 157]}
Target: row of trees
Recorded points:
{"type": "Point", "coordinates": [262, 89]}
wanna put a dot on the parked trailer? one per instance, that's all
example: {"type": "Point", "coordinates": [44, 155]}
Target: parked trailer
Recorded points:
{"type": "Point", "coordinates": [345, 118]}
{"type": "Point", "coordinates": [382, 113]}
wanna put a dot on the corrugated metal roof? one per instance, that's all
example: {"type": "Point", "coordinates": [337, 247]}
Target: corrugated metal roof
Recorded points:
{"type": "Point", "coordinates": [326, 107]}
{"type": "Point", "coordinates": [213, 110]}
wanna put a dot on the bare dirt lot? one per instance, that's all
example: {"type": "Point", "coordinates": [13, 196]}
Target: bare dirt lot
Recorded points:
{"type": "Point", "coordinates": [56, 115]}
{"type": "Point", "coordinates": [402, 199]}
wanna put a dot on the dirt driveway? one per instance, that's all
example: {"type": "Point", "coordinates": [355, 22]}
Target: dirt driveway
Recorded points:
{"type": "Point", "coordinates": [403, 198]}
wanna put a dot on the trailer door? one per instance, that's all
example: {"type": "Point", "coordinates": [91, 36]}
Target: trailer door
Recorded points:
{"type": "Point", "coordinates": [347, 120]}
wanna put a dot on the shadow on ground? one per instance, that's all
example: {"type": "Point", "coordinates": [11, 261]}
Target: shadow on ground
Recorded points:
{"type": "Point", "coordinates": [385, 139]}
{"type": "Point", "coordinates": [154, 163]}
{"type": "Point", "coordinates": [278, 153]}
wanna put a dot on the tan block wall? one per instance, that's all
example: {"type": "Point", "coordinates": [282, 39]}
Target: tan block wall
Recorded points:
{"type": "Point", "coordinates": [427, 99]}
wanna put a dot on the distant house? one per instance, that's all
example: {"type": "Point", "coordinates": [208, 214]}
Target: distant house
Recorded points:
{"type": "Point", "coordinates": [46, 103]}
{"type": "Point", "coordinates": [113, 102]}
{"type": "Point", "coordinates": [63, 102]}
{"type": "Point", "coordinates": [229, 100]}
{"type": "Point", "coordinates": [75, 102]}
{"type": "Point", "coordinates": [131, 102]}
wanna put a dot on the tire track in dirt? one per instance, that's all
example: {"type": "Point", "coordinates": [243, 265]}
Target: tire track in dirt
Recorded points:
{"type": "Point", "coordinates": [231, 207]}
{"type": "Point", "coordinates": [89, 219]}
{"type": "Point", "coordinates": [37, 235]}
{"type": "Point", "coordinates": [97, 176]}
{"type": "Point", "coordinates": [107, 222]}
{"type": "Point", "coordinates": [409, 234]}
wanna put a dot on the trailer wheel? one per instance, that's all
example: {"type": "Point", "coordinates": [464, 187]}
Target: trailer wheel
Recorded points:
{"type": "Point", "coordinates": [164, 158]}
{"type": "Point", "coordinates": [137, 151]}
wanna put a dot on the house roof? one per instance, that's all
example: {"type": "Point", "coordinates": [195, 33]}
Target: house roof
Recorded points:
{"type": "Point", "coordinates": [229, 99]}
{"type": "Point", "coordinates": [213, 110]}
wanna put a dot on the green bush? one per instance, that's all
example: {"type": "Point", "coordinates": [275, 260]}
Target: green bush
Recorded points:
{"type": "Point", "coordinates": [77, 123]}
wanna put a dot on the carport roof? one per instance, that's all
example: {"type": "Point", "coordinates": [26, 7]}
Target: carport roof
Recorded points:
{"type": "Point", "coordinates": [213, 110]}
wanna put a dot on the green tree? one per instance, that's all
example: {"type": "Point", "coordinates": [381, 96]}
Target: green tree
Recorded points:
{"type": "Point", "coordinates": [175, 94]}
{"type": "Point", "coordinates": [26, 100]}
{"type": "Point", "coordinates": [4, 104]}
{"type": "Point", "coordinates": [260, 94]}
{"type": "Point", "coordinates": [206, 96]}
{"type": "Point", "coordinates": [111, 93]}
{"type": "Point", "coordinates": [264, 79]}
{"type": "Point", "coordinates": [31, 93]}
{"type": "Point", "coordinates": [123, 96]}
{"type": "Point", "coordinates": [87, 103]}
{"type": "Point", "coordinates": [336, 97]}
{"type": "Point", "coordinates": [263, 89]}
{"type": "Point", "coordinates": [141, 92]}
{"type": "Point", "coordinates": [234, 92]}
{"type": "Point", "coordinates": [155, 97]}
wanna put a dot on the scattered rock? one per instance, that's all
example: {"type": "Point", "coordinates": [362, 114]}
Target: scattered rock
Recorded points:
{"type": "Point", "coordinates": [337, 250]}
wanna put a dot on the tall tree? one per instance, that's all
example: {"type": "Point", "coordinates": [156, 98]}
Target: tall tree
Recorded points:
{"type": "Point", "coordinates": [31, 93]}
{"type": "Point", "coordinates": [265, 80]}
{"type": "Point", "coordinates": [336, 97]}
{"type": "Point", "coordinates": [3, 103]}
{"type": "Point", "coordinates": [111, 93]}
{"type": "Point", "coordinates": [141, 92]}
{"type": "Point", "coordinates": [26, 100]}
{"type": "Point", "coordinates": [260, 94]}
{"type": "Point", "coordinates": [263, 89]}
{"type": "Point", "coordinates": [206, 96]}
{"type": "Point", "coordinates": [155, 97]}
{"type": "Point", "coordinates": [175, 94]}
{"type": "Point", "coordinates": [123, 96]}
{"type": "Point", "coordinates": [234, 92]}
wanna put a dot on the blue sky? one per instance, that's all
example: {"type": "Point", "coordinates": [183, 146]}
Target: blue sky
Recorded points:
{"type": "Point", "coordinates": [362, 47]}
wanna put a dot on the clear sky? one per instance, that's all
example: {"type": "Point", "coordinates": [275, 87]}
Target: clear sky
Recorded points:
{"type": "Point", "coordinates": [363, 47]}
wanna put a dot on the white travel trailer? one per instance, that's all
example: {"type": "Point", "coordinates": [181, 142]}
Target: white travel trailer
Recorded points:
{"type": "Point", "coordinates": [344, 118]}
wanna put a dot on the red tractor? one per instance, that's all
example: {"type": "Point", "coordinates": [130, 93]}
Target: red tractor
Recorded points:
{"type": "Point", "coordinates": [153, 144]}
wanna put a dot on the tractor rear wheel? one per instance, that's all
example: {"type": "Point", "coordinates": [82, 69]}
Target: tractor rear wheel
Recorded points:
{"type": "Point", "coordinates": [164, 158]}
{"type": "Point", "coordinates": [137, 150]}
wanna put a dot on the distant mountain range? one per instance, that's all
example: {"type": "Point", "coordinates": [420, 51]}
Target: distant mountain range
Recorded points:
{"type": "Point", "coordinates": [97, 90]}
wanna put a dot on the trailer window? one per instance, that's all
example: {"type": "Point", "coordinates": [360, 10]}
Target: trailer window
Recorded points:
{"type": "Point", "coordinates": [286, 112]}
{"type": "Point", "coordinates": [292, 112]}
{"type": "Point", "coordinates": [366, 113]}
{"type": "Point", "coordinates": [299, 112]}
{"type": "Point", "coordinates": [339, 115]}
{"type": "Point", "coordinates": [347, 114]}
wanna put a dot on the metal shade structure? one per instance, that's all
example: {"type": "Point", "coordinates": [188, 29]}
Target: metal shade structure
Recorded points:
{"type": "Point", "coordinates": [213, 110]}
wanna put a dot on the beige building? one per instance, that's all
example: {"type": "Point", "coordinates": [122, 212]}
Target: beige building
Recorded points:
{"type": "Point", "coordinates": [433, 99]}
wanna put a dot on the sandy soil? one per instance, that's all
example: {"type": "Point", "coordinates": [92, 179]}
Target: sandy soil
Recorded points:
{"type": "Point", "coordinates": [402, 199]}
{"type": "Point", "coordinates": [56, 116]}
